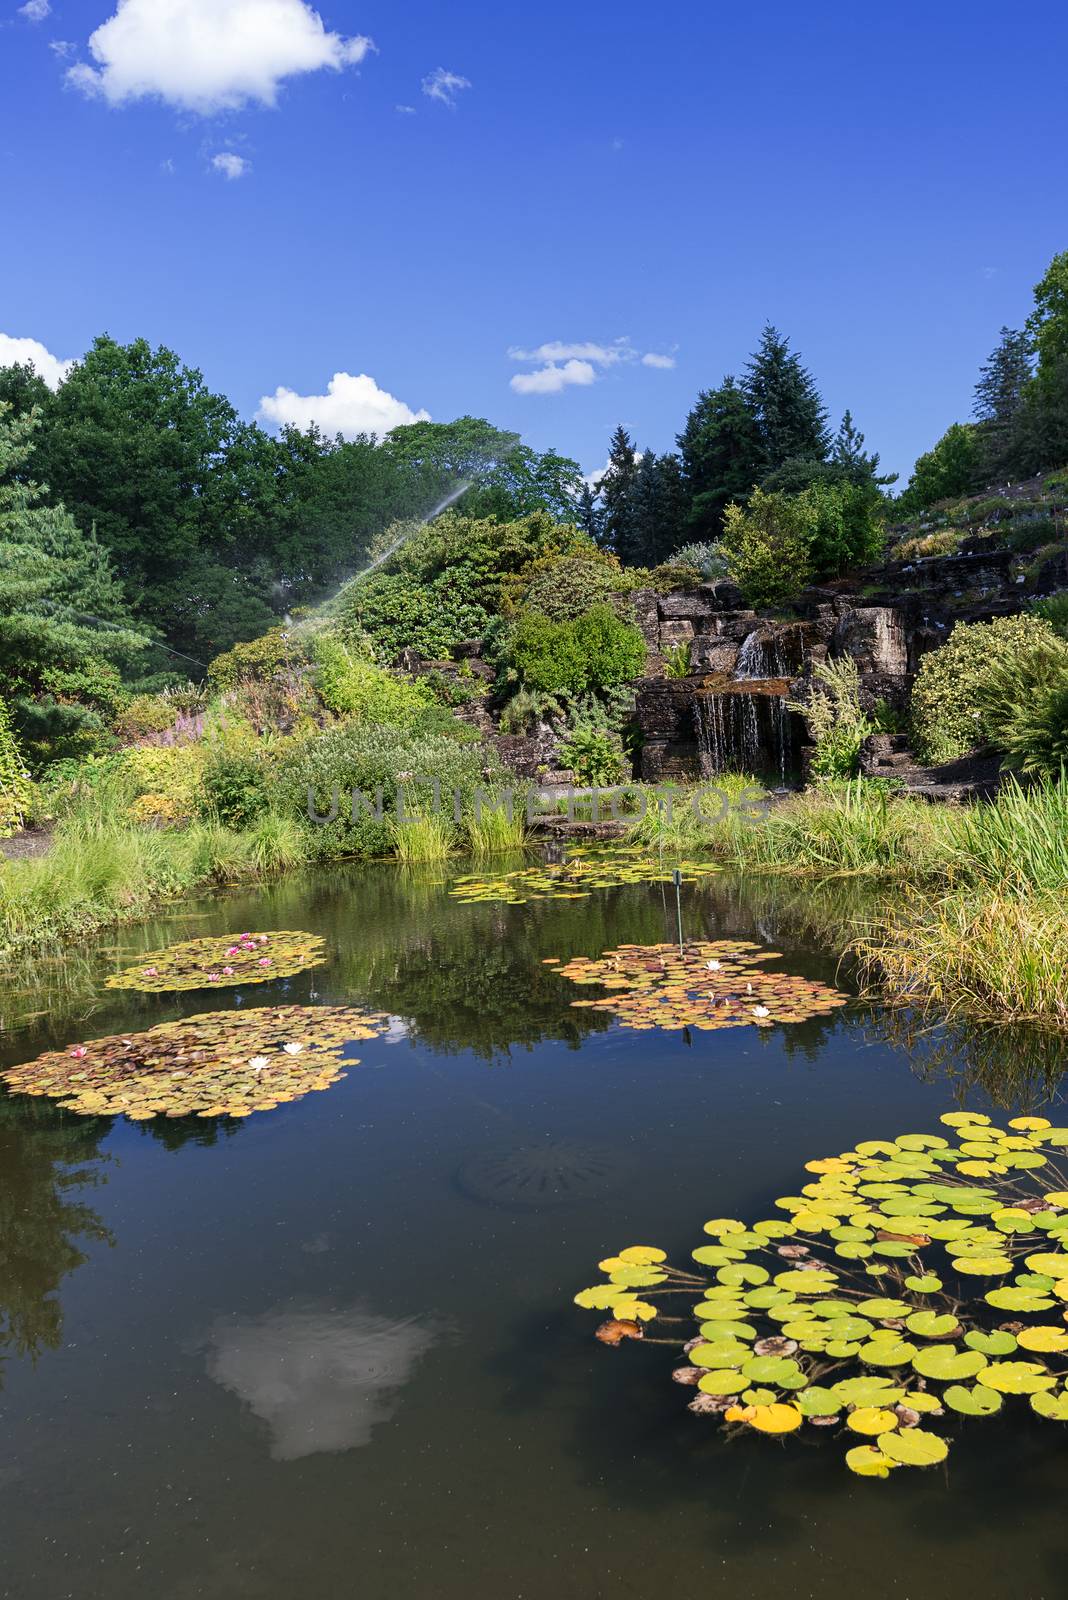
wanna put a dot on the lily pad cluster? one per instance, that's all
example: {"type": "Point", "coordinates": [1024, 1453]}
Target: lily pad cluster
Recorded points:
{"type": "Point", "coordinates": [218, 962]}
{"type": "Point", "coordinates": [575, 879]}
{"type": "Point", "coordinates": [217, 1064]}
{"type": "Point", "coordinates": [705, 985]}
{"type": "Point", "coordinates": [911, 1282]}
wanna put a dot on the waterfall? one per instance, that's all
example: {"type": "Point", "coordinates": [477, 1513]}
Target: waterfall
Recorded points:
{"type": "Point", "coordinates": [741, 730]}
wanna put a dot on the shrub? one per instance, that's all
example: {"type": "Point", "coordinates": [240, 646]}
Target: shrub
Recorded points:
{"type": "Point", "coordinates": [944, 542]}
{"type": "Point", "coordinates": [155, 810]}
{"type": "Point", "coordinates": [236, 778]}
{"type": "Point", "coordinates": [707, 560]}
{"type": "Point", "coordinates": [1054, 610]}
{"type": "Point", "coordinates": [368, 757]}
{"type": "Point", "coordinates": [16, 786]}
{"type": "Point", "coordinates": [596, 651]}
{"type": "Point", "coordinates": [565, 588]}
{"type": "Point", "coordinates": [839, 726]}
{"type": "Point", "coordinates": [945, 714]}
{"type": "Point", "coordinates": [145, 714]}
{"type": "Point", "coordinates": [171, 775]}
{"type": "Point", "coordinates": [1023, 703]}
{"type": "Point", "coordinates": [527, 708]}
{"type": "Point", "coordinates": [259, 659]}
{"type": "Point", "coordinates": [357, 688]}
{"type": "Point", "coordinates": [594, 755]}
{"type": "Point", "coordinates": [767, 548]}
{"type": "Point", "coordinates": [397, 612]}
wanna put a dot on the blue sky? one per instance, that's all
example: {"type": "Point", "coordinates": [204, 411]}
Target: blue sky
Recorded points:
{"type": "Point", "coordinates": [885, 184]}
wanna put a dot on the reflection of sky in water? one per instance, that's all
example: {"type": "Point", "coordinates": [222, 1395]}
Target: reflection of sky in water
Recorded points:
{"type": "Point", "coordinates": [398, 1030]}
{"type": "Point", "coordinates": [320, 1379]}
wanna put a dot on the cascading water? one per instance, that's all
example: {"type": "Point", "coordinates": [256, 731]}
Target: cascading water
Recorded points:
{"type": "Point", "coordinates": [743, 724]}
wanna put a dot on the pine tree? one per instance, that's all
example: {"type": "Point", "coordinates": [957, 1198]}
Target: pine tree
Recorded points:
{"type": "Point", "coordinates": [659, 506]}
{"type": "Point", "coordinates": [61, 606]}
{"type": "Point", "coordinates": [999, 399]}
{"type": "Point", "coordinates": [588, 513]}
{"type": "Point", "coordinates": [791, 417]}
{"type": "Point", "coordinates": [722, 457]}
{"type": "Point", "coordinates": [849, 455]}
{"type": "Point", "coordinates": [617, 492]}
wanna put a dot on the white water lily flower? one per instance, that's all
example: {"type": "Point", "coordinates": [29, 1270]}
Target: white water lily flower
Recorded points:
{"type": "Point", "coordinates": [761, 1011]}
{"type": "Point", "coordinates": [257, 1063]}
{"type": "Point", "coordinates": [292, 1049]}
{"type": "Point", "coordinates": [713, 966]}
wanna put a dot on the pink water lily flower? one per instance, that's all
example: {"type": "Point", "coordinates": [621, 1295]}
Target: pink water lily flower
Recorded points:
{"type": "Point", "coordinates": [151, 972]}
{"type": "Point", "coordinates": [232, 950]}
{"type": "Point", "coordinates": [79, 1051]}
{"type": "Point", "coordinates": [213, 977]}
{"type": "Point", "coordinates": [228, 972]}
{"type": "Point", "coordinates": [266, 961]}
{"type": "Point", "coordinates": [263, 938]}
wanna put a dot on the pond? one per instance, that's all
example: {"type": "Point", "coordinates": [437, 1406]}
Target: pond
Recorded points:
{"type": "Point", "coordinates": [331, 1349]}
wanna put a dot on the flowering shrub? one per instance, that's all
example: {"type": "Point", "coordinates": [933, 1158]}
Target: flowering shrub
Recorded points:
{"type": "Point", "coordinates": [947, 718]}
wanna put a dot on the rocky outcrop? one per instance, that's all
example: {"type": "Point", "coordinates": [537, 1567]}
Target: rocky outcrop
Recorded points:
{"type": "Point", "coordinates": [974, 776]}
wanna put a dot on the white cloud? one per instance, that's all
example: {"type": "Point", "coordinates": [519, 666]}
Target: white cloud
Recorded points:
{"type": "Point", "coordinates": [406, 111]}
{"type": "Point", "coordinates": [444, 86]}
{"type": "Point", "coordinates": [35, 10]}
{"type": "Point", "coordinates": [61, 48]}
{"type": "Point", "coordinates": [230, 165]}
{"type": "Point", "coordinates": [551, 378]}
{"type": "Point", "coordinates": [351, 405]}
{"type": "Point", "coordinates": [603, 355]}
{"type": "Point", "coordinates": [563, 364]}
{"type": "Point", "coordinates": [18, 351]}
{"type": "Point", "coordinates": [209, 55]}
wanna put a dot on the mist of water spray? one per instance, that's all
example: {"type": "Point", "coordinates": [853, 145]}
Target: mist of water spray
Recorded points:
{"type": "Point", "coordinates": [325, 609]}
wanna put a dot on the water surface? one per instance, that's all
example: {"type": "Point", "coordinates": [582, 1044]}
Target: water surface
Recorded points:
{"type": "Point", "coordinates": [330, 1350]}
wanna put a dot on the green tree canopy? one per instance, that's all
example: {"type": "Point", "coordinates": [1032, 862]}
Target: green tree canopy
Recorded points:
{"type": "Point", "coordinates": [791, 418]}
{"type": "Point", "coordinates": [722, 456]}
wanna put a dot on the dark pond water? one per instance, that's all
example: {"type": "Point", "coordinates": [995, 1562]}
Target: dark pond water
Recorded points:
{"type": "Point", "coordinates": [330, 1351]}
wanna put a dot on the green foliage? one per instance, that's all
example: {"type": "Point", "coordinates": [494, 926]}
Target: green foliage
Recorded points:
{"type": "Point", "coordinates": [707, 560]}
{"type": "Point", "coordinates": [677, 659]}
{"type": "Point", "coordinates": [594, 755]}
{"type": "Point", "coordinates": [946, 710]}
{"type": "Point", "coordinates": [596, 651]}
{"type": "Point", "coordinates": [144, 714]}
{"type": "Point", "coordinates": [951, 468]}
{"type": "Point", "coordinates": [1054, 610]}
{"type": "Point", "coordinates": [767, 548]}
{"type": "Point", "coordinates": [782, 542]}
{"type": "Point", "coordinates": [790, 416]}
{"type": "Point", "coordinates": [275, 651]}
{"type": "Point", "coordinates": [236, 779]}
{"type": "Point", "coordinates": [838, 725]}
{"type": "Point", "coordinates": [1023, 704]}
{"type": "Point", "coordinates": [722, 456]}
{"type": "Point", "coordinates": [357, 688]}
{"type": "Point", "coordinates": [15, 783]}
{"type": "Point", "coordinates": [566, 587]}
{"type": "Point", "coordinates": [395, 612]}
{"type": "Point", "coordinates": [377, 761]}
{"type": "Point", "coordinates": [64, 629]}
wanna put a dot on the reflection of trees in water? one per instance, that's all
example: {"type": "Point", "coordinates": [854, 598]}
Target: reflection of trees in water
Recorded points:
{"type": "Point", "coordinates": [1012, 1064]}
{"type": "Point", "coordinates": [44, 1160]}
{"type": "Point", "coordinates": [471, 977]}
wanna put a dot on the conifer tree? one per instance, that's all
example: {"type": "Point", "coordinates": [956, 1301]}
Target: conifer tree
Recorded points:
{"type": "Point", "coordinates": [722, 457]}
{"type": "Point", "coordinates": [617, 493]}
{"type": "Point", "coordinates": [791, 417]}
{"type": "Point", "coordinates": [659, 506]}
{"type": "Point", "coordinates": [999, 399]}
{"type": "Point", "coordinates": [588, 513]}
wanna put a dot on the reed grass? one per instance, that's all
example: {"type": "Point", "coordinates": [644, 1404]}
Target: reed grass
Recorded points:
{"type": "Point", "coordinates": [494, 832]}
{"type": "Point", "coordinates": [998, 954]}
{"type": "Point", "coordinates": [421, 839]}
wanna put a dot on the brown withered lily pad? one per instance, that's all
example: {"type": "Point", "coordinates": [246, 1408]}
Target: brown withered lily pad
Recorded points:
{"type": "Point", "coordinates": [220, 962]}
{"type": "Point", "coordinates": [217, 1064]}
{"type": "Point", "coordinates": [704, 985]}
